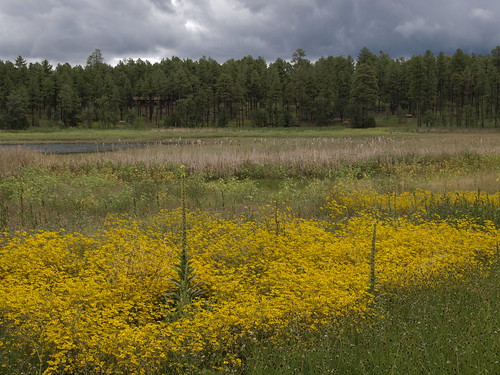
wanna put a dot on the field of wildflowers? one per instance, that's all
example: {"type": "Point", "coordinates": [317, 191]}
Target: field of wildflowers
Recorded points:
{"type": "Point", "coordinates": [88, 304]}
{"type": "Point", "coordinates": [288, 263]}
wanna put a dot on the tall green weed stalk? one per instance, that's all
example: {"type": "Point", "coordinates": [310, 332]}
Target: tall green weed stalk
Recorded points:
{"type": "Point", "coordinates": [373, 278]}
{"type": "Point", "coordinates": [186, 289]}
{"type": "Point", "coordinates": [4, 214]}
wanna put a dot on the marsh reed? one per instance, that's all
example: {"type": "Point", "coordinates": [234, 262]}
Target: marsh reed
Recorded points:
{"type": "Point", "coordinates": [222, 155]}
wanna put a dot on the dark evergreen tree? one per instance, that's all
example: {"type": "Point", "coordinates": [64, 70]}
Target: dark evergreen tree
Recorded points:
{"type": "Point", "coordinates": [16, 109]}
{"type": "Point", "coordinates": [299, 80]}
{"type": "Point", "coordinates": [443, 86]}
{"type": "Point", "coordinates": [363, 97]}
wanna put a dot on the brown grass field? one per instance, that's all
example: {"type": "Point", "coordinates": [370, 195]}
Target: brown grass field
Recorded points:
{"type": "Point", "coordinates": [219, 154]}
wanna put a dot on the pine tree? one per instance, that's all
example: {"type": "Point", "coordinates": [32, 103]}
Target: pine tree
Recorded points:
{"type": "Point", "coordinates": [363, 96]}
{"type": "Point", "coordinates": [17, 107]}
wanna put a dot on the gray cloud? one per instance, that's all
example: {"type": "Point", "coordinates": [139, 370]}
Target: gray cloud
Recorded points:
{"type": "Point", "coordinates": [68, 31]}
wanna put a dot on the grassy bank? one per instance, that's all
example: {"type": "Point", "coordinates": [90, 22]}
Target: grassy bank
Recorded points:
{"type": "Point", "coordinates": [54, 135]}
{"type": "Point", "coordinates": [147, 133]}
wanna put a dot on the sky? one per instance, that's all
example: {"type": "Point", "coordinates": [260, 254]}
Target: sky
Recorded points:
{"type": "Point", "coordinates": [70, 30]}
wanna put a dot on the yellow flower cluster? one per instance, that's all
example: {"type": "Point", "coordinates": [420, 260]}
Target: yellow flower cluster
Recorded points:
{"type": "Point", "coordinates": [344, 202]}
{"type": "Point", "coordinates": [96, 304]}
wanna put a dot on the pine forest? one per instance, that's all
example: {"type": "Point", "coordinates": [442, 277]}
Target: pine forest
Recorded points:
{"type": "Point", "coordinates": [459, 90]}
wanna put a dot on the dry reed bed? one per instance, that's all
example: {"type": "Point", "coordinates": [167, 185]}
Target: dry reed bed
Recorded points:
{"type": "Point", "coordinates": [212, 155]}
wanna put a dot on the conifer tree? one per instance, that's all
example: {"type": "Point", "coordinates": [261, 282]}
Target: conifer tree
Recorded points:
{"type": "Point", "coordinates": [363, 96]}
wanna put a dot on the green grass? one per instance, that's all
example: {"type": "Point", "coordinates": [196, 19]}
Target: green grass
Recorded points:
{"type": "Point", "coordinates": [152, 134]}
{"type": "Point", "coordinates": [78, 197]}
{"type": "Point", "coordinates": [147, 132]}
{"type": "Point", "coordinates": [155, 135]}
{"type": "Point", "coordinates": [449, 329]}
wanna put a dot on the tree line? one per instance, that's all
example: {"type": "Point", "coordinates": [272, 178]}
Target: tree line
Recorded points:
{"type": "Point", "coordinates": [444, 90]}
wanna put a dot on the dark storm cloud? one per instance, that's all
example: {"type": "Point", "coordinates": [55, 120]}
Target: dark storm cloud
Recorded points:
{"type": "Point", "coordinates": [68, 31]}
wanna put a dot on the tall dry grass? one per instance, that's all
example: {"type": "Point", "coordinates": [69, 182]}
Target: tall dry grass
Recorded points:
{"type": "Point", "coordinates": [222, 155]}
{"type": "Point", "coordinates": [11, 159]}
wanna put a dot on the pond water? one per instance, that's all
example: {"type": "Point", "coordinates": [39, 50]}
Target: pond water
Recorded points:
{"type": "Point", "coordinates": [76, 148]}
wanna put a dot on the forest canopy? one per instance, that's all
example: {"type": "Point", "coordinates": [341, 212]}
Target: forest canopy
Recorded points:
{"type": "Point", "coordinates": [438, 90]}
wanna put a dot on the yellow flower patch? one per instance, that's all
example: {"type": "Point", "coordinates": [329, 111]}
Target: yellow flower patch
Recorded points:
{"type": "Point", "coordinates": [97, 303]}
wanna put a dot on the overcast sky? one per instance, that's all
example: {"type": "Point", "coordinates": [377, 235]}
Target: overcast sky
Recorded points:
{"type": "Point", "coordinates": [70, 30]}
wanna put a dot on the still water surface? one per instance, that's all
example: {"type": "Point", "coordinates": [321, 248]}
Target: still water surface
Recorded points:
{"type": "Point", "coordinates": [76, 148]}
